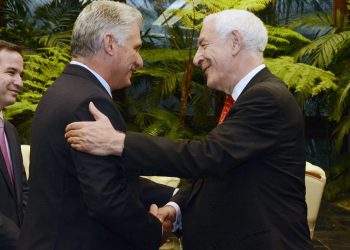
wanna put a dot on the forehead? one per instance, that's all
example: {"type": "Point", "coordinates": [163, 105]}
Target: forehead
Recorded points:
{"type": "Point", "coordinates": [9, 58]}
{"type": "Point", "coordinates": [208, 31]}
{"type": "Point", "coordinates": [134, 35]}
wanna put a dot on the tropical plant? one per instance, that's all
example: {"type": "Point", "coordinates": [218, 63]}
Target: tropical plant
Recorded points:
{"type": "Point", "coordinates": [40, 70]}
{"type": "Point", "coordinates": [330, 50]}
{"type": "Point", "coordinates": [170, 72]}
{"type": "Point", "coordinates": [169, 96]}
{"type": "Point", "coordinates": [44, 29]}
{"type": "Point", "coordinates": [36, 24]}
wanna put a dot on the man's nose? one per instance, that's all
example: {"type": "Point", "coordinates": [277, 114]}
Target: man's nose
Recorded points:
{"type": "Point", "coordinates": [18, 81]}
{"type": "Point", "coordinates": [198, 58]}
{"type": "Point", "coordinates": [139, 62]}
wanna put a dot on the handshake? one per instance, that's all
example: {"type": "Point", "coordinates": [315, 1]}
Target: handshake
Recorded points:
{"type": "Point", "coordinates": [166, 216]}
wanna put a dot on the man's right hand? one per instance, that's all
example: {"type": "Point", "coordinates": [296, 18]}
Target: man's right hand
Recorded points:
{"type": "Point", "coordinates": [97, 137]}
{"type": "Point", "coordinates": [166, 216]}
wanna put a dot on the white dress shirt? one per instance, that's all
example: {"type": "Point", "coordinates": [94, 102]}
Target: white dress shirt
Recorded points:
{"type": "Point", "coordinates": [99, 78]}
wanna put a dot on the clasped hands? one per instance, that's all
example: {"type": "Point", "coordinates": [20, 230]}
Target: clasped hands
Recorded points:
{"type": "Point", "coordinates": [166, 216]}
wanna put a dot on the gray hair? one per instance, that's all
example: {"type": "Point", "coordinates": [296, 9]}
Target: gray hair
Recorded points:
{"type": "Point", "coordinates": [253, 30]}
{"type": "Point", "coordinates": [96, 20]}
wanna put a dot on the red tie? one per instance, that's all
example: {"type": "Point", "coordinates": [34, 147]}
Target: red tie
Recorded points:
{"type": "Point", "coordinates": [4, 150]}
{"type": "Point", "coordinates": [227, 106]}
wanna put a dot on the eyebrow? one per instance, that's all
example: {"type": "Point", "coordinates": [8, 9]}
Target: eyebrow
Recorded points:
{"type": "Point", "coordinates": [16, 70]}
{"type": "Point", "coordinates": [200, 41]}
{"type": "Point", "coordinates": [138, 46]}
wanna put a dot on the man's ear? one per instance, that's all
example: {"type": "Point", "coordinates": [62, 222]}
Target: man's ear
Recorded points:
{"type": "Point", "coordinates": [236, 42]}
{"type": "Point", "coordinates": [108, 43]}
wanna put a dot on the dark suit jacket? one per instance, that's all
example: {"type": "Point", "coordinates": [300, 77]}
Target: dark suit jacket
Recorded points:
{"type": "Point", "coordinates": [12, 198]}
{"type": "Point", "coordinates": [252, 194]}
{"type": "Point", "coordinates": [80, 201]}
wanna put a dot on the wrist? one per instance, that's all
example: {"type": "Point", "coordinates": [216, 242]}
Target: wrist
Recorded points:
{"type": "Point", "coordinates": [117, 144]}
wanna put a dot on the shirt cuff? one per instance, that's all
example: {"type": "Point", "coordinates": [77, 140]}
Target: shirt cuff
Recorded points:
{"type": "Point", "coordinates": [178, 220]}
{"type": "Point", "coordinates": [175, 191]}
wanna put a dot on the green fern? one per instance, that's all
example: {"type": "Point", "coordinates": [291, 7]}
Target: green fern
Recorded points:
{"type": "Point", "coordinates": [282, 41]}
{"type": "Point", "coordinates": [195, 11]}
{"type": "Point", "coordinates": [304, 80]}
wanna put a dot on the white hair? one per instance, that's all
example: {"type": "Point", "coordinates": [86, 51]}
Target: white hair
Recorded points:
{"type": "Point", "coordinates": [96, 20]}
{"type": "Point", "coordinates": [252, 29]}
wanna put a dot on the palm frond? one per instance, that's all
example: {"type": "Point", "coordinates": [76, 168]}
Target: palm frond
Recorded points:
{"type": "Point", "coordinates": [58, 39]}
{"type": "Point", "coordinates": [313, 25]}
{"type": "Point", "coordinates": [326, 50]}
{"type": "Point", "coordinates": [340, 100]}
{"type": "Point", "coordinates": [341, 131]}
{"type": "Point", "coordinates": [165, 123]}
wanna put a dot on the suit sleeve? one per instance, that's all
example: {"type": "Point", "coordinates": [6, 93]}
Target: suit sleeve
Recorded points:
{"type": "Point", "coordinates": [251, 129]}
{"type": "Point", "coordinates": [107, 192]}
{"type": "Point", "coordinates": [25, 186]}
{"type": "Point", "coordinates": [25, 191]}
{"type": "Point", "coordinates": [154, 193]}
{"type": "Point", "coordinates": [183, 195]}
{"type": "Point", "coordinates": [9, 233]}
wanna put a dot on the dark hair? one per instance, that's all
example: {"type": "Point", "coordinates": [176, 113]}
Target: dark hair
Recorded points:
{"type": "Point", "coordinates": [10, 46]}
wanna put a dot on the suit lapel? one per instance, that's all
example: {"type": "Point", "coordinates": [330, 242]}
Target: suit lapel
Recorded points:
{"type": "Point", "coordinates": [259, 77]}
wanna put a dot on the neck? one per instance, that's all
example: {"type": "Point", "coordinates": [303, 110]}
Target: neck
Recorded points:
{"type": "Point", "coordinates": [96, 63]}
{"type": "Point", "coordinates": [245, 63]}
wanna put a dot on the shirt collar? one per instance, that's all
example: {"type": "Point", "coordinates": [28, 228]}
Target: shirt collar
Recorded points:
{"type": "Point", "coordinates": [99, 78]}
{"type": "Point", "coordinates": [237, 90]}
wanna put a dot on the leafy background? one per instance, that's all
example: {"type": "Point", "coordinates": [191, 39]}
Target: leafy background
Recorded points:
{"type": "Point", "coordinates": [308, 48]}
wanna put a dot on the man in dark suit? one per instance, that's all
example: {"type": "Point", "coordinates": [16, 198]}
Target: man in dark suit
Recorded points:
{"type": "Point", "coordinates": [77, 200]}
{"type": "Point", "coordinates": [250, 192]}
{"type": "Point", "coordinates": [13, 182]}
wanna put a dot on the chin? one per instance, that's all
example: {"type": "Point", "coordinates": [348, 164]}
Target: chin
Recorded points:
{"type": "Point", "coordinates": [210, 84]}
{"type": "Point", "coordinates": [125, 85]}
